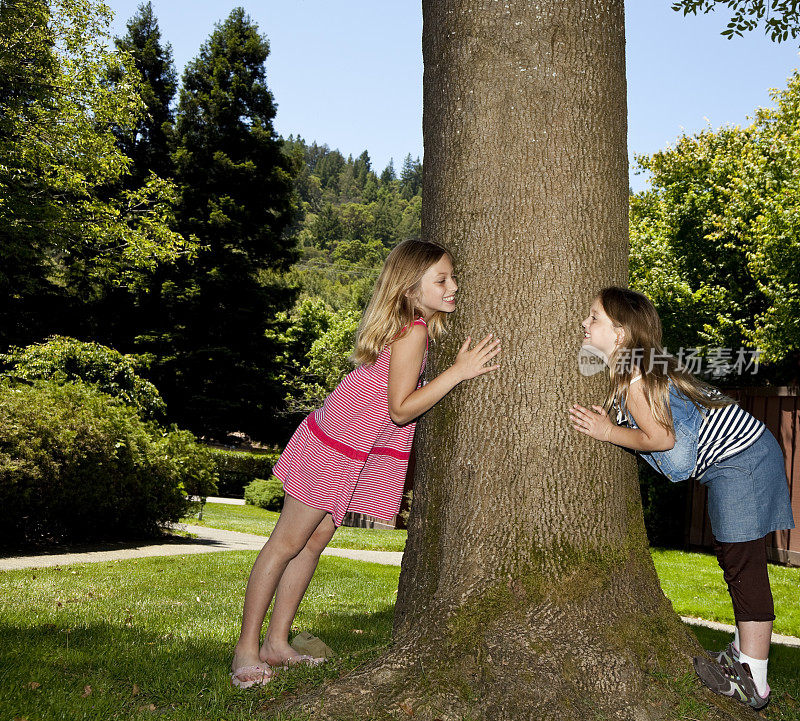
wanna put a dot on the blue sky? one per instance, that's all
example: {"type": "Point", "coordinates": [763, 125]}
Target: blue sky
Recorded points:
{"type": "Point", "coordinates": [349, 74]}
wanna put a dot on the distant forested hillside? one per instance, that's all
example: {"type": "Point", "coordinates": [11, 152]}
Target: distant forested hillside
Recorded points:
{"type": "Point", "coordinates": [350, 218]}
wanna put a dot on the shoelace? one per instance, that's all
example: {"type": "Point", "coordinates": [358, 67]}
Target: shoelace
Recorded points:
{"type": "Point", "coordinates": [730, 672]}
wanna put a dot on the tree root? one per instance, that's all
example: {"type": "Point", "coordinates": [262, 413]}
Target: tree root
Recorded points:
{"type": "Point", "coordinates": [567, 675]}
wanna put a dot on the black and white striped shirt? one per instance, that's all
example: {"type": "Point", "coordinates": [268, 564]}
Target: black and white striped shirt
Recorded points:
{"type": "Point", "coordinates": [725, 432]}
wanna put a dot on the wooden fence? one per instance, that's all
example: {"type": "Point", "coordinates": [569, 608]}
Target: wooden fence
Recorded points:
{"type": "Point", "coordinates": [779, 409]}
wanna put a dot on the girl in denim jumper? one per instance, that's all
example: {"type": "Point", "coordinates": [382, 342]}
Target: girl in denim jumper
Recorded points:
{"type": "Point", "coordinates": [685, 428]}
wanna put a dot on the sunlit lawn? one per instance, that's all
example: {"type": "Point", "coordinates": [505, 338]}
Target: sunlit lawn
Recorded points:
{"type": "Point", "coordinates": [251, 519]}
{"type": "Point", "coordinates": [147, 638]}
{"type": "Point", "coordinates": [692, 581]}
{"type": "Point", "coordinates": [694, 584]}
{"type": "Point", "coordinates": [152, 637]}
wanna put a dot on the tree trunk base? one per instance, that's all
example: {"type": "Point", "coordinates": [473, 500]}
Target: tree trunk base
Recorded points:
{"type": "Point", "coordinates": [401, 686]}
{"type": "Point", "coordinates": [609, 654]}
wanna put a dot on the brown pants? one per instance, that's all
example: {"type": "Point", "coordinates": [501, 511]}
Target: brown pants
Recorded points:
{"type": "Point", "coordinates": [745, 571]}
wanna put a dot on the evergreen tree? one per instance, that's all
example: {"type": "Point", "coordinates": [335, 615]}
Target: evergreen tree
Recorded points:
{"type": "Point", "coordinates": [327, 229]}
{"type": "Point", "coordinates": [315, 153]}
{"type": "Point", "coordinates": [117, 315]}
{"type": "Point", "coordinates": [147, 143]}
{"type": "Point", "coordinates": [388, 174]}
{"type": "Point", "coordinates": [370, 192]}
{"type": "Point", "coordinates": [237, 199]}
{"type": "Point", "coordinates": [411, 178]}
{"type": "Point", "coordinates": [348, 184]}
{"type": "Point", "coordinates": [361, 169]}
{"type": "Point", "coordinates": [328, 169]}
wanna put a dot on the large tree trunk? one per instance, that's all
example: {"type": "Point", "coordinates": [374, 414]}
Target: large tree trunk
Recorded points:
{"type": "Point", "coordinates": [527, 590]}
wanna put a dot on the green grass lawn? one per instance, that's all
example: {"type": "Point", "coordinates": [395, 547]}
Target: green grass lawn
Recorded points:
{"type": "Point", "coordinates": [125, 639]}
{"type": "Point", "coordinates": [251, 519]}
{"type": "Point", "coordinates": [692, 581]}
{"type": "Point", "coordinates": [694, 584]}
{"type": "Point", "coordinates": [153, 637]}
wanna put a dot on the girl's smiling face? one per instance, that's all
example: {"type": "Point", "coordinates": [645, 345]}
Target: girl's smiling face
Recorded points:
{"type": "Point", "coordinates": [437, 289]}
{"type": "Point", "coordinates": [599, 331]}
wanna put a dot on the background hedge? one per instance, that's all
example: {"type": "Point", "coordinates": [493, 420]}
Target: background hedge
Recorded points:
{"type": "Point", "coordinates": [265, 493]}
{"type": "Point", "coordinates": [64, 360]}
{"type": "Point", "coordinates": [237, 469]}
{"type": "Point", "coordinates": [76, 463]}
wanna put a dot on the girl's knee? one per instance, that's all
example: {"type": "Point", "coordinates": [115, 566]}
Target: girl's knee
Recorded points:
{"type": "Point", "coordinates": [320, 539]}
{"type": "Point", "coordinates": [283, 547]}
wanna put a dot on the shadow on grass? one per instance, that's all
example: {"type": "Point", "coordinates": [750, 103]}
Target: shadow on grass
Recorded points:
{"type": "Point", "coordinates": [59, 548]}
{"type": "Point", "coordinates": [102, 670]}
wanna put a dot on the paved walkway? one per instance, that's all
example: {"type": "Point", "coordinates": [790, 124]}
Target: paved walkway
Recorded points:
{"type": "Point", "coordinates": [226, 501]}
{"type": "Point", "coordinates": [208, 540]}
{"type": "Point", "coordinates": [212, 540]}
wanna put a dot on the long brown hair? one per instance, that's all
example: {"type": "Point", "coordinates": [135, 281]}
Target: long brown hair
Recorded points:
{"type": "Point", "coordinates": [391, 312]}
{"type": "Point", "coordinates": [641, 352]}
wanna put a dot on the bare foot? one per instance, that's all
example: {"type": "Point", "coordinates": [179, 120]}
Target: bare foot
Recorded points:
{"type": "Point", "coordinates": [277, 654]}
{"type": "Point", "coordinates": [248, 669]}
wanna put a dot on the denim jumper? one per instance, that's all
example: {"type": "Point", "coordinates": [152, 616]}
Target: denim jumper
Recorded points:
{"type": "Point", "coordinates": [748, 493]}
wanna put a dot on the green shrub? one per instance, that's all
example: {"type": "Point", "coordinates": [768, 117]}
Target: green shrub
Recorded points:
{"type": "Point", "coordinates": [194, 461]}
{"type": "Point", "coordinates": [65, 359]}
{"type": "Point", "coordinates": [265, 493]}
{"type": "Point", "coordinates": [238, 468]}
{"type": "Point", "coordinates": [76, 463]}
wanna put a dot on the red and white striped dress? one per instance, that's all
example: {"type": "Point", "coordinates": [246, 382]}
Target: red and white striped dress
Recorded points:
{"type": "Point", "coordinates": [349, 455]}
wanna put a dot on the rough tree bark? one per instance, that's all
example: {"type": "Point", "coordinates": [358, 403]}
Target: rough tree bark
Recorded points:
{"type": "Point", "coordinates": [527, 590]}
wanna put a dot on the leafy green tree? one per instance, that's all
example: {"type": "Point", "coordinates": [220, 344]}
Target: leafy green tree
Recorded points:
{"type": "Point", "coordinates": [293, 336]}
{"type": "Point", "coordinates": [237, 200]}
{"type": "Point", "coordinates": [316, 347]}
{"type": "Point", "coordinates": [340, 286]}
{"type": "Point", "coordinates": [368, 252]}
{"type": "Point", "coordinates": [781, 18]}
{"type": "Point", "coordinates": [714, 242]}
{"type": "Point", "coordinates": [356, 219]}
{"type": "Point", "coordinates": [61, 239]}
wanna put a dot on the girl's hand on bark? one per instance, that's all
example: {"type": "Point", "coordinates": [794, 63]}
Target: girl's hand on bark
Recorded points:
{"type": "Point", "coordinates": [472, 363]}
{"type": "Point", "coordinates": [594, 423]}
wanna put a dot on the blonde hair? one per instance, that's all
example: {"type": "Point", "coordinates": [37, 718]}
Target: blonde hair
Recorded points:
{"type": "Point", "coordinates": [391, 313]}
{"type": "Point", "coordinates": [641, 348]}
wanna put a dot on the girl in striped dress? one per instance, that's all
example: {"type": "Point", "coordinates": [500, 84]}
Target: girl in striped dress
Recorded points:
{"type": "Point", "coordinates": [352, 454]}
{"type": "Point", "coordinates": [685, 428]}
